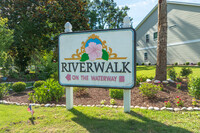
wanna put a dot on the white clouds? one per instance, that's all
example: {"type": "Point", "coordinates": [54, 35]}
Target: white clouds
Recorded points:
{"type": "Point", "coordinates": [140, 8]}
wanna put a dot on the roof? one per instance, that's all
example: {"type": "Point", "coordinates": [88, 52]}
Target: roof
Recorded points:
{"type": "Point", "coordinates": [168, 2]}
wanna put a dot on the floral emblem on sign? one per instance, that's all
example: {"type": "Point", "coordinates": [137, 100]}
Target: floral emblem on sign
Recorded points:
{"type": "Point", "coordinates": [94, 49]}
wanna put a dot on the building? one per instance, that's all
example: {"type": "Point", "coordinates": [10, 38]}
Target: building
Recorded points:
{"type": "Point", "coordinates": [183, 39]}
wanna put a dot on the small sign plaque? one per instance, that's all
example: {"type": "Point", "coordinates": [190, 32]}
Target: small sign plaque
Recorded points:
{"type": "Point", "coordinates": [104, 58]}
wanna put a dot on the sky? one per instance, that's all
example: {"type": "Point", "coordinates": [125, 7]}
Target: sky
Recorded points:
{"type": "Point", "coordinates": [140, 8]}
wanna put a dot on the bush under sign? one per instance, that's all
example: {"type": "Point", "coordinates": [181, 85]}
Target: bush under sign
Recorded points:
{"type": "Point", "coordinates": [104, 58]}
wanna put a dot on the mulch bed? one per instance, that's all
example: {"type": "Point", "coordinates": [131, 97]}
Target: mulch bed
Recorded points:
{"type": "Point", "coordinates": [93, 96]}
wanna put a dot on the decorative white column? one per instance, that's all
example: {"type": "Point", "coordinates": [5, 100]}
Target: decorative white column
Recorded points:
{"type": "Point", "coordinates": [69, 90]}
{"type": "Point", "coordinates": [127, 93]}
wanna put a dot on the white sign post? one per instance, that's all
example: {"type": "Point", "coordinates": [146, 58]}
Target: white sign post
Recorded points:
{"type": "Point", "coordinates": [69, 90]}
{"type": "Point", "coordinates": [127, 93]}
{"type": "Point", "coordinates": [103, 58]}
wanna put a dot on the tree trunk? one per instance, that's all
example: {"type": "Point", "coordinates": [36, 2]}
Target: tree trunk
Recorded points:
{"type": "Point", "coordinates": [161, 66]}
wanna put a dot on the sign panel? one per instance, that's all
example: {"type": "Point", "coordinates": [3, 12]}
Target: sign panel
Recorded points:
{"type": "Point", "coordinates": [104, 58]}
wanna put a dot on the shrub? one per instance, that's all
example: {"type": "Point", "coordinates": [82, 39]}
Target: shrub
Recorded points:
{"type": "Point", "coordinates": [142, 79]}
{"type": "Point", "coordinates": [31, 97]}
{"type": "Point", "coordinates": [194, 102]}
{"type": "Point", "coordinates": [160, 87]}
{"type": "Point", "coordinates": [148, 90]}
{"type": "Point", "coordinates": [179, 102]}
{"type": "Point", "coordinates": [194, 87]}
{"type": "Point", "coordinates": [3, 90]}
{"type": "Point", "coordinates": [149, 64]}
{"type": "Point", "coordinates": [172, 73]}
{"type": "Point", "coordinates": [112, 102]}
{"type": "Point", "coordinates": [137, 64]}
{"type": "Point", "coordinates": [187, 63]}
{"type": "Point", "coordinates": [50, 90]}
{"type": "Point", "coordinates": [178, 85]}
{"type": "Point", "coordinates": [179, 79]}
{"type": "Point", "coordinates": [185, 72]}
{"type": "Point", "coordinates": [176, 63]}
{"type": "Point", "coordinates": [46, 66]}
{"type": "Point", "coordinates": [102, 102]}
{"type": "Point", "coordinates": [167, 104]}
{"type": "Point", "coordinates": [198, 63]}
{"type": "Point", "coordinates": [142, 63]}
{"type": "Point", "coordinates": [54, 76]}
{"type": "Point", "coordinates": [19, 86]}
{"type": "Point", "coordinates": [116, 93]}
{"type": "Point", "coordinates": [38, 83]}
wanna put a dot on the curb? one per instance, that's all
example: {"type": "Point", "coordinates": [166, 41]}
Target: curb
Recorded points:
{"type": "Point", "coordinates": [101, 106]}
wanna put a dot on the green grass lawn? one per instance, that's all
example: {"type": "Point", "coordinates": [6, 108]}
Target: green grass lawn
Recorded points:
{"type": "Point", "coordinates": [99, 120]}
{"type": "Point", "coordinates": [149, 71]}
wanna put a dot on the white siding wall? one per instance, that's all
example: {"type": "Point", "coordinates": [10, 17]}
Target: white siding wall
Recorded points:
{"type": "Point", "coordinates": [183, 25]}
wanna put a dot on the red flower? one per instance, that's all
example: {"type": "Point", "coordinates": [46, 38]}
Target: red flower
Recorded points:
{"type": "Point", "coordinates": [177, 97]}
{"type": "Point", "coordinates": [180, 99]}
{"type": "Point", "coordinates": [177, 102]}
{"type": "Point", "coordinates": [165, 101]}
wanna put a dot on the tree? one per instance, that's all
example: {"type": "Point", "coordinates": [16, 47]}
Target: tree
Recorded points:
{"type": "Point", "coordinates": [161, 66]}
{"type": "Point", "coordinates": [6, 39]}
{"type": "Point", "coordinates": [105, 14]}
{"type": "Point", "coordinates": [37, 24]}
{"type": "Point", "coordinates": [6, 35]}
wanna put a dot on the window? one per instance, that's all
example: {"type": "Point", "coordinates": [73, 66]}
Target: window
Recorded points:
{"type": "Point", "coordinates": [155, 35]}
{"type": "Point", "coordinates": [145, 56]}
{"type": "Point", "coordinates": [147, 38]}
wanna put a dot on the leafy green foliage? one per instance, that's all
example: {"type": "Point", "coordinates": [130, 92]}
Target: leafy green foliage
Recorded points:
{"type": "Point", "coordinates": [171, 73]}
{"type": "Point", "coordinates": [198, 63]}
{"type": "Point", "coordinates": [179, 102]}
{"type": "Point", "coordinates": [37, 24]}
{"type": "Point", "coordinates": [6, 35]}
{"type": "Point", "coordinates": [102, 102]}
{"type": "Point", "coordinates": [112, 101]}
{"type": "Point", "coordinates": [116, 93]}
{"type": "Point", "coordinates": [48, 91]}
{"type": "Point", "coordinates": [38, 83]}
{"type": "Point", "coordinates": [148, 90]}
{"type": "Point", "coordinates": [105, 14]}
{"type": "Point", "coordinates": [3, 90]}
{"type": "Point", "coordinates": [142, 79]}
{"type": "Point", "coordinates": [194, 87]}
{"type": "Point", "coordinates": [105, 55]}
{"type": "Point", "coordinates": [84, 57]}
{"type": "Point", "coordinates": [19, 86]}
{"type": "Point", "coordinates": [54, 76]}
{"type": "Point", "coordinates": [187, 63]}
{"type": "Point", "coordinates": [46, 66]}
{"type": "Point", "coordinates": [176, 63]}
{"type": "Point", "coordinates": [31, 97]}
{"type": "Point", "coordinates": [194, 102]}
{"type": "Point", "coordinates": [7, 62]}
{"type": "Point", "coordinates": [185, 72]}
{"type": "Point", "coordinates": [167, 104]}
